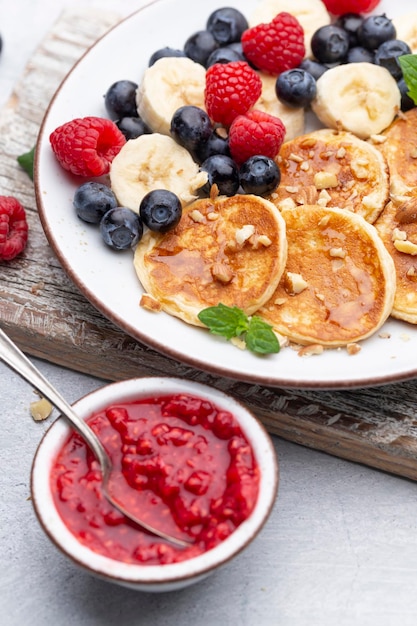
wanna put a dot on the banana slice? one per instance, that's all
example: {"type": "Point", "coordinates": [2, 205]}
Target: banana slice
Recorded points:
{"type": "Point", "coordinates": [406, 27]}
{"type": "Point", "coordinates": [167, 85]}
{"type": "Point", "coordinates": [151, 162]}
{"type": "Point", "coordinates": [268, 102]}
{"type": "Point", "coordinates": [359, 97]}
{"type": "Point", "coordinates": [312, 14]}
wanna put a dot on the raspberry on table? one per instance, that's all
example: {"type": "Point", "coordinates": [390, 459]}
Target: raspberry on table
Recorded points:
{"type": "Point", "coordinates": [87, 146]}
{"type": "Point", "coordinates": [276, 46]}
{"type": "Point", "coordinates": [255, 133]}
{"type": "Point", "coordinates": [13, 228]}
{"type": "Point", "coordinates": [231, 90]}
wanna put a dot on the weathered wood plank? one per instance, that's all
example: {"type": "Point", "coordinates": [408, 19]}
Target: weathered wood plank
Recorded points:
{"type": "Point", "coordinates": [49, 318]}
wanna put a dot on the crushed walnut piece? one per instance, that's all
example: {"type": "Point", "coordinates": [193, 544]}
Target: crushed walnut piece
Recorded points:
{"type": "Point", "coordinates": [294, 283]}
{"type": "Point", "coordinates": [150, 303]}
{"type": "Point", "coordinates": [244, 233]}
{"type": "Point", "coordinates": [325, 180]}
{"type": "Point", "coordinates": [40, 409]}
{"type": "Point", "coordinates": [312, 350]}
{"type": "Point", "coordinates": [407, 247]}
{"type": "Point", "coordinates": [222, 273]}
{"type": "Point", "coordinates": [353, 348]}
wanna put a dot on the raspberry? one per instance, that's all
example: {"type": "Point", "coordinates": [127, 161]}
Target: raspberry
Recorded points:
{"type": "Point", "coordinates": [276, 46]}
{"type": "Point", "coordinates": [13, 228]}
{"type": "Point", "coordinates": [86, 146]}
{"type": "Point", "coordinates": [231, 90]}
{"type": "Point", "coordinates": [255, 133]}
{"type": "Point", "coordinates": [340, 7]}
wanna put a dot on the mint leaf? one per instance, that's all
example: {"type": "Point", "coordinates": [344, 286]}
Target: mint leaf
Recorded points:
{"type": "Point", "coordinates": [26, 162]}
{"type": "Point", "coordinates": [260, 337]}
{"type": "Point", "coordinates": [224, 320]}
{"type": "Point", "coordinates": [408, 63]}
{"type": "Point", "coordinates": [232, 322]}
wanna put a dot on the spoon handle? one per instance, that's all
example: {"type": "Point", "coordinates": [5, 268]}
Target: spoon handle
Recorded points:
{"type": "Point", "coordinates": [17, 361]}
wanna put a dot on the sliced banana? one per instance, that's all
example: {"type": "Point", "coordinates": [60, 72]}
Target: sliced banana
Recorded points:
{"type": "Point", "coordinates": [406, 27]}
{"type": "Point", "coordinates": [312, 14]}
{"type": "Point", "coordinates": [167, 85]}
{"type": "Point", "coordinates": [151, 162]}
{"type": "Point", "coordinates": [268, 102]}
{"type": "Point", "coordinates": [359, 97]}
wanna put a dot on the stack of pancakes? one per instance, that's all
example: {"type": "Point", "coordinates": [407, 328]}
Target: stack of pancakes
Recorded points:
{"type": "Point", "coordinates": [325, 259]}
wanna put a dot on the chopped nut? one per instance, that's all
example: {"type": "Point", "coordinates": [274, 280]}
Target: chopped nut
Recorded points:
{"type": "Point", "coordinates": [308, 142]}
{"type": "Point", "coordinates": [378, 138]}
{"type": "Point", "coordinates": [308, 195]}
{"type": "Point", "coordinates": [407, 247]}
{"type": "Point", "coordinates": [353, 348]}
{"type": "Point", "coordinates": [384, 335]}
{"type": "Point", "coordinates": [324, 220]}
{"type": "Point", "coordinates": [280, 301]}
{"type": "Point", "coordinates": [295, 157]}
{"type": "Point", "coordinates": [150, 303]}
{"type": "Point", "coordinates": [294, 283]}
{"type": "Point", "coordinates": [407, 212]}
{"type": "Point", "coordinates": [244, 233]}
{"type": "Point", "coordinates": [323, 198]}
{"type": "Point", "coordinates": [305, 166]}
{"type": "Point", "coordinates": [287, 204]}
{"type": "Point", "coordinates": [312, 350]}
{"type": "Point", "coordinates": [325, 180]}
{"type": "Point", "coordinates": [360, 168]}
{"type": "Point", "coordinates": [413, 153]}
{"type": "Point", "coordinates": [197, 216]}
{"type": "Point", "coordinates": [337, 252]}
{"type": "Point", "coordinates": [222, 273]}
{"type": "Point", "coordinates": [264, 240]}
{"type": "Point", "coordinates": [40, 409]}
{"type": "Point", "coordinates": [369, 202]}
{"type": "Point", "coordinates": [411, 272]}
{"type": "Point", "coordinates": [320, 297]}
{"type": "Point", "coordinates": [213, 216]}
{"type": "Point", "coordinates": [341, 153]}
{"type": "Point", "coordinates": [238, 342]}
{"type": "Point", "coordinates": [398, 234]}
{"type": "Point", "coordinates": [291, 189]}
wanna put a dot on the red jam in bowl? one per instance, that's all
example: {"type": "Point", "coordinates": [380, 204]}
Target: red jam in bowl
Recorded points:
{"type": "Point", "coordinates": [182, 465]}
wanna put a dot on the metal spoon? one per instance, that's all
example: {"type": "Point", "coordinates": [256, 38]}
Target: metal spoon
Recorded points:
{"type": "Point", "coordinates": [15, 359]}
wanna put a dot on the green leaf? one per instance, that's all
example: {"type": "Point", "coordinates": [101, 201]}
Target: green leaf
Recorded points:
{"type": "Point", "coordinates": [26, 162]}
{"type": "Point", "coordinates": [261, 338]}
{"type": "Point", "coordinates": [408, 63]}
{"type": "Point", "coordinates": [224, 320]}
{"type": "Point", "coordinates": [232, 322]}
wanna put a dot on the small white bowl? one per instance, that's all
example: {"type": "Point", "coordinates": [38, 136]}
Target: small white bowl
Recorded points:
{"type": "Point", "coordinates": [153, 577]}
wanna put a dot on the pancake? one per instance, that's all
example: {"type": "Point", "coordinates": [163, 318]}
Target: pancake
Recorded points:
{"type": "Point", "coordinates": [334, 169]}
{"type": "Point", "coordinates": [400, 151]}
{"type": "Point", "coordinates": [397, 227]}
{"type": "Point", "coordinates": [339, 283]}
{"type": "Point", "coordinates": [225, 250]}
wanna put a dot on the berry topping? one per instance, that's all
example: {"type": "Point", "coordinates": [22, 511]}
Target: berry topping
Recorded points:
{"type": "Point", "coordinates": [387, 55]}
{"type": "Point", "coordinates": [165, 52]}
{"type": "Point", "coordinates": [259, 175]}
{"type": "Point", "coordinates": [86, 146]}
{"type": "Point", "coordinates": [227, 25]}
{"type": "Point", "coordinates": [13, 228]}
{"type": "Point", "coordinates": [120, 99]}
{"type": "Point", "coordinates": [330, 44]}
{"type": "Point", "coordinates": [223, 172]}
{"type": "Point", "coordinates": [190, 126]}
{"type": "Point", "coordinates": [296, 88]}
{"type": "Point", "coordinates": [133, 127]}
{"type": "Point", "coordinates": [255, 133]}
{"type": "Point", "coordinates": [374, 30]}
{"type": "Point", "coordinates": [160, 210]}
{"type": "Point", "coordinates": [231, 90]}
{"type": "Point", "coordinates": [199, 46]}
{"type": "Point", "coordinates": [314, 68]}
{"type": "Point", "coordinates": [215, 144]}
{"type": "Point", "coordinates": [359, 54]}
{"type": "Point", "coordinates": [92, 200]}
{"type": "Point", "coordinates": [121, 228]}
{"type": "Point", "coordinates": [225, 54]}
{"type": "Point", "coordinates": [276, 46]}
{"type": "Point", "coordinates": [350, 22]}
{"type": "Point", "coordinates": [339, 7]}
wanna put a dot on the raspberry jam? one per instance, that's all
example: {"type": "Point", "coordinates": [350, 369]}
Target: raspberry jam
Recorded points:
{"type": "Point", "coordinates": [181, 464]}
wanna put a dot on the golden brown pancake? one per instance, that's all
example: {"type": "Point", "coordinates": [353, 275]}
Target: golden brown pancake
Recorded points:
{"type": "Point", "coordinates": [400, 151]}
{"type": "Point", "coordinates": [334, 169]}
{"type": "Point", "coordinates": [339, 283]}
{"type": "Point", "coordinates": [226, 250]}
{"type": "Point", "coordinates": [397, 227]}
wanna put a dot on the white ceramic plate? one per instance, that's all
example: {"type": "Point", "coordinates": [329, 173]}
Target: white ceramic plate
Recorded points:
{"type": "Point", "coordinates": [108, 280]}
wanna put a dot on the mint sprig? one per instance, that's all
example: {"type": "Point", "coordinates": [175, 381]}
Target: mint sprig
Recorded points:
{"type": "Point", "coordinates": [26, 162]}
{"type": "Point", "coordinates": [232, 322]}
{"type": "Point", "coordinates": [408, 63]}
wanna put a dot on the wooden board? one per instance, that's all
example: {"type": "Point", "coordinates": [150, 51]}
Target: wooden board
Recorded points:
{"type": "Point", "coordinates": [49, 318]}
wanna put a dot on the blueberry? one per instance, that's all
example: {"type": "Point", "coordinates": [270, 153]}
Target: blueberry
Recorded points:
{"type": "Point", "coordinates": [350, 22]}
{"type": "Point", "coordinates": [407, 103]}
{"type": "Point", "coordinates": [160, 210]}
{"type": "Point", "coordinates": [223, 172]}
{"type": "Point", "coordinates": [359, 54]}
{"type": "Point", "coordinates": [330, 44]}
{"type": "Point", "coordinates": [227, 25]}
{"type": "Point", "coordinates": [199, 46]}
{"type": "Point", "coordinates": [296, 88]}
{"type": "Point", "coordinates": [120, 99]}
{"type": "Point", "coordinates": [314, 68]}
{"type": "Point", "coordinates": [190, 126]}
{"type": "Point", "coordinates": [387, 55]}
{"type": "Point", "coordinates": [224, 55]}
{"type": "Point", "coordinates": [92, 200]}
{"type": "Point", "coordinates": [259, 175]}
{"type": "Point", "coordinates": [215, 144]}
{"type": "Point", "coordinates": [374, 30]}
{"type": "Point", "coordinates": [121, 228]}
{"type": "Point", "coordinates": [133, 127]}
{"type": "Point", "coordinates": [165, 52]}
